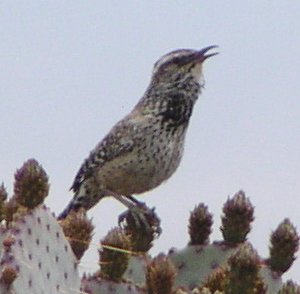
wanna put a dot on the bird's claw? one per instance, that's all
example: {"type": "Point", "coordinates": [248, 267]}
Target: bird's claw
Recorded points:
{"type": "Point", "coordinates": [142, 218]}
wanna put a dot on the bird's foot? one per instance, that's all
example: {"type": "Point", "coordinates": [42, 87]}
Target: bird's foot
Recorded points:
{"type": "Point", "coordinates": [141, 219]}
{"type": "Point", "coordinates": [137, 215]}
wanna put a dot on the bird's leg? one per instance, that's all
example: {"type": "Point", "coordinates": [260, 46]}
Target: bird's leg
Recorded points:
{"type": "Point", "coordinates": [132, 199]}
{"type": "Point", "coordinates": [129, 204]}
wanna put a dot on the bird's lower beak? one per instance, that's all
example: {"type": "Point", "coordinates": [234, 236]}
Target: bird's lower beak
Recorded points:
{"type": "Point", "coordinates": [201, 53]}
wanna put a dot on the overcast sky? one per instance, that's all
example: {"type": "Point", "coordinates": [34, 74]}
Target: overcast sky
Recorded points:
{"type": "Point", "coordinates": [70, 69]}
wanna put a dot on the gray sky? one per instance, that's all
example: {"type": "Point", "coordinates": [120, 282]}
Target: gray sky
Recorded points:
{"type": "Point", "coordinates": [71, 69]}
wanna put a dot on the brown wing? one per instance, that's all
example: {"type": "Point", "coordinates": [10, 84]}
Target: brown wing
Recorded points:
{"type": "Point", "coordinates": [119, 141]}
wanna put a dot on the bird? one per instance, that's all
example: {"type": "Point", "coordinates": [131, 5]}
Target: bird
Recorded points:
{"type": "Point", "coordinates": [144, 149]}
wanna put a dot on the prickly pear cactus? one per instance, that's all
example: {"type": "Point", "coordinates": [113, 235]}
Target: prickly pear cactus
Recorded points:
{"type": "Point", "coordinates": [114, 254]}
{"type": "Point", "coordinates": [34, 249]}
{"type": "Point", "coordinates": [35, 256]}
{"type": "Point", "coordinates": [289, 288]}
{"type": "Point", "coordinates": [40, 255]}
{"type": "Point", "coordinates": [160, 275]}
{"type": "Point", "coordinates": [218, 267]}
{"type": "Point", "coordinates": [199, 260]}
{"type": "Point", "coordinates": [95, 285]}
{"type": "Point", "coordinates": [188, 260]}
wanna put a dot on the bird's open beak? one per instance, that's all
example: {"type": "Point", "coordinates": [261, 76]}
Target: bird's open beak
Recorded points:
{"type": "Point", "coordinates": [201, 53]}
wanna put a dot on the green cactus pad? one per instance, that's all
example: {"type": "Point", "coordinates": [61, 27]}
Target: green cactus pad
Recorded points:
{"type": "Point", "coordinates": [96, 285]}
{"type": "Point", "coordinates": [36, 248]}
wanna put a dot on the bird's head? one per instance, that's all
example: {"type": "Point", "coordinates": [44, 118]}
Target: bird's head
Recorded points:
{"type": "Point", "coordinates": [180, 64]}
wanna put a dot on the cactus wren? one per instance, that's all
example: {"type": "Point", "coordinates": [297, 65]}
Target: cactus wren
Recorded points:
{"type": "Point", "coordinates": [145, 148]}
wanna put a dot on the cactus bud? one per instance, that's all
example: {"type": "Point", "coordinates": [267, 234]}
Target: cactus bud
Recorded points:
{"type": "Point", "coordinates": [284, 245]}
{"type": "Point", "coordinates": [3, 198]}
{"type": "Point", "coordinates": [289, 288]}
{"type": "Point", "coordinates": [114, 254]}
{"type": "Point", "coordinates": [10, 209]}
{"type": "Point", "coordinates": [78, 230]}
{"type": "Point", "coordinates": [216, 280]}
{"type": "Point", "coordinates": [160, 275]}
{"type": "Point", "coordinates": [243, 275]}
{"type": "Point", "coordinates": [238, 215]}
{"type": "Point", "coordinates": [8, 275]}
{"type": "Point", "coordinates": [31, 184]}
{"type": "Point", "coordinates": [200, 223]}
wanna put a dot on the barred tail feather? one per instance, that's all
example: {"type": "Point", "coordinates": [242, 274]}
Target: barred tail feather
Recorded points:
{"type": "Point", "coordinates": [81, 200]}
{"type": "Point", "coordinates": [75, 204]}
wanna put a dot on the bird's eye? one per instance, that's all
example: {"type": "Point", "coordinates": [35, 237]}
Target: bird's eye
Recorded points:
{"type": "Point", "coordinates": [178, 61]}
{"type": "Point", "coordinates": [181, 61]}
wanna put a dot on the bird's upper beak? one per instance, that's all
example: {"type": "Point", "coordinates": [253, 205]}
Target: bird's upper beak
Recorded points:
{"type": "Point", "coordinates": [201, 56]}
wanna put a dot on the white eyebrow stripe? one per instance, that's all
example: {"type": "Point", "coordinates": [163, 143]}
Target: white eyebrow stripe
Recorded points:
{"type": "Point", "coordinates": [166, 58]}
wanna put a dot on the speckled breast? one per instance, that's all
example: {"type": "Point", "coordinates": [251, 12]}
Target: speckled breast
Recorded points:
{"type": "Point", "coordinates": [153, 160]}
